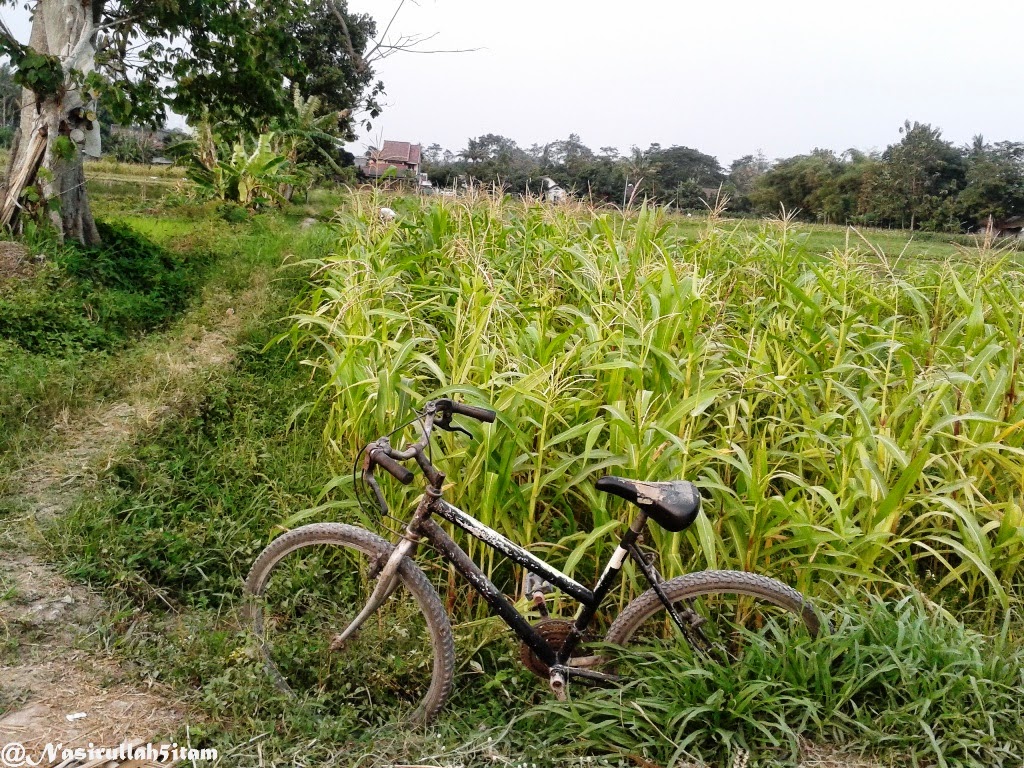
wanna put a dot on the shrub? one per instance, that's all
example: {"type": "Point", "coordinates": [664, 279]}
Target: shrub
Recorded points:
{"type": "Point", "coordinates": [851, 419]}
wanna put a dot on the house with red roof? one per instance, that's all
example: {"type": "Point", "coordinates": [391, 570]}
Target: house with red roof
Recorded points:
{"type": "Point", "coordinates": [400, 155]}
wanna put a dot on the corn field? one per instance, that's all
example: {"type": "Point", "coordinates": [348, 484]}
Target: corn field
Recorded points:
{"type": "Point", "coordinates": [854, 420]}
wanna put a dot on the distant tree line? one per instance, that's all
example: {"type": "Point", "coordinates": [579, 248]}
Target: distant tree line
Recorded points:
{"type": "Point", "coordinates": [672, 175]}
{"type": "Point", "coordinates": [921, 182]}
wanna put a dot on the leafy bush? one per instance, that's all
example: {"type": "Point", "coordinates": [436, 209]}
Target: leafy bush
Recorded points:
{"type": "Point", "coordinates": [233, 172]}
{"type": "Point", "coordinates": [131, 148]}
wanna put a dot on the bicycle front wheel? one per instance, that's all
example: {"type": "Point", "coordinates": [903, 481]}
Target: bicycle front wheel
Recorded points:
{"type": "Point", "coordinates": [724, 613]}
{"type": "Point", "coordinates": [308, 585]}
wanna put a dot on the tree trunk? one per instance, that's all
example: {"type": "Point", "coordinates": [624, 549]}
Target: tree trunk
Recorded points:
{"type": "Point", "coordinates": [50, 135]}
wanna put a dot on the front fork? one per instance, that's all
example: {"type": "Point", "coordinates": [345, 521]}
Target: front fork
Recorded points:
{"type": "Point", "coordinates": [387, 579]}
{"type": "Point", "coordinates": [387, 582]}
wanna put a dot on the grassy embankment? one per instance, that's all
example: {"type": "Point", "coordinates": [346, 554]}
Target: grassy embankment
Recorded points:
{"type": "Point", "coordinates": [850, 418]}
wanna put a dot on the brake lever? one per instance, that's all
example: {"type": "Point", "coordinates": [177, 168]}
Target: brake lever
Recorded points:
{"type": "Point", "coordinates": [371, 481]}
{"type": "Point", "coordinates": [445, 423]}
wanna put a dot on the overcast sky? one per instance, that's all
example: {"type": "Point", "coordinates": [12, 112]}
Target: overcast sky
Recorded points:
{"type": "Point", "coordinates": [727, 77]}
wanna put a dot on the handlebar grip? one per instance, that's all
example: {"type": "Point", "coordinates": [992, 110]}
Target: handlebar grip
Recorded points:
{"type": "Point", "coordinates": [396, 470]}
{"type": "Point", "coordinates": [480, 414]}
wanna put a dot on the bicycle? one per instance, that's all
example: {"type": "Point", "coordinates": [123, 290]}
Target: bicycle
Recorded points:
{"type": "Point", "coordinates": [398, 651]}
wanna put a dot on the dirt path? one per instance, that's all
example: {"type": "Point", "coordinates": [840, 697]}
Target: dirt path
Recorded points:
{"type": "Point", "coordinates": [57, 683]}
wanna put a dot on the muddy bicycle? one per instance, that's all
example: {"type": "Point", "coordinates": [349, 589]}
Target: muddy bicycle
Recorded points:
{"type": "Point", "coordinates": [345, 615]}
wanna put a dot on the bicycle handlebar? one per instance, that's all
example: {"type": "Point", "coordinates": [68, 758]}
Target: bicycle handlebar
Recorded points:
{"type": "Point", "coordinates": [480, 414]}
{"type": "Point", "coordinates": [438, 413]}
{"type": "Point", "coordinates": [396, 470]}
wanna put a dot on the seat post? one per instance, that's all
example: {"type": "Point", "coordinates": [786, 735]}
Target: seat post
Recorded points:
{"type": "Point", "coordinates": [637, 526]}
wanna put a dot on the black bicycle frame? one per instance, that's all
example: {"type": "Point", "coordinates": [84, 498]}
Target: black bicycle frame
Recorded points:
{"type": "Point", "coordinates": [423, 526]}
{"type": "Point", "coordinates": [590, 600]}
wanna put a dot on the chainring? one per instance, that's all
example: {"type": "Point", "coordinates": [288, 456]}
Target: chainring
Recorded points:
{"type": "Point", "coordinates": [555, 632]}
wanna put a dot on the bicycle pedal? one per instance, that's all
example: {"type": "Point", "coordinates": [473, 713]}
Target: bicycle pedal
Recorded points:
{"type": "Point", "coordinates": [540, 605]}
{"type": "Point", "coordinates": [557, 682]}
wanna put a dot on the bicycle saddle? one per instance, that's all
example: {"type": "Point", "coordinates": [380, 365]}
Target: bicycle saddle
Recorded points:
{"type": "Point", "coordinates": [673, 505]}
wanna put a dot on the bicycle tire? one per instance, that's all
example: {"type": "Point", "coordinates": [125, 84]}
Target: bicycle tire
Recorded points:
{"type": "Point", "coordinates": [694, 590]}
{"type": "Point", "coordinates": [350, 545]}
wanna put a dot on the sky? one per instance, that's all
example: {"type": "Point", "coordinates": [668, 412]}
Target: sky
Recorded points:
{"type": "Point", "coordinates": [729, 78]}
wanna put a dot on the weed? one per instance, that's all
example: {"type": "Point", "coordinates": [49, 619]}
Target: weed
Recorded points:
{"type": "Point", "coordinates": [891, 677]}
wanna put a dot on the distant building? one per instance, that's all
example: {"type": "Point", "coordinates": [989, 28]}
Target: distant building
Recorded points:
{"type": "Point", "coordinates": [401, 156]}
{"type": "Point", "coordinates": [551, 191]}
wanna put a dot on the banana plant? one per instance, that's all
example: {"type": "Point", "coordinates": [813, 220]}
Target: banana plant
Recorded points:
{"type": "Point", "coordinates": [236, 173]}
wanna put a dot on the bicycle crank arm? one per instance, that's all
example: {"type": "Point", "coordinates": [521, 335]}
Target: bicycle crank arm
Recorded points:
{"type": "Point", "coordinates": [386, 584]}
{"type": "Point", "coordinates": [588, 674]}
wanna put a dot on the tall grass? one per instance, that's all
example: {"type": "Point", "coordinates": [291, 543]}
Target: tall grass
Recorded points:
{"type": "Point", "coordinates": [852, 418]}
{"type": "Point", "coordinates": [891, 678]}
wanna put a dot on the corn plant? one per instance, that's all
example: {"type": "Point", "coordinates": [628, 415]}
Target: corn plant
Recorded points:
{"type": "Point", "coordinates": [854, 419]}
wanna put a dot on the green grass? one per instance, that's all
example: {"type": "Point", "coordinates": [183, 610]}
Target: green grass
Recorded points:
{"type": "Point", "coordinates": [181, 517]}
{"type": "Point", "coordinates": [96, 298]}
{"type": "Point", "coordinates": [891, 677]}
{"type": "Point", "coordinates": [58, 327]}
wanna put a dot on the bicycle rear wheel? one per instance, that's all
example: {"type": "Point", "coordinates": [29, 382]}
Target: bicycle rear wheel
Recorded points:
{"type": "Point", "coordinates": [308, 585]}
{"type": "Point", "coordinates": [725, 613]}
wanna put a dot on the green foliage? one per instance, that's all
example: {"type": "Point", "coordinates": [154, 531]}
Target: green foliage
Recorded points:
{"type": "Point", "coordinates": [341, 83]}
{"type": "Point", "coordinates": [64, 148]}
{"type": "Point", "coordinates": [994, 181]}
{"type": "Point", "coordinates": [233, 173]}
{"type": "Point", "coordinates": [921, 182]}
{"type": "Point", "coordinates": [180, 516]}
{"type": "Point", "coordinates": [184, 514]}
{"type": "Point", "coordinates": [309, 139]}
{"type": "Point", "coordinates": [227, 56]}
{"type": "Point", "coordinates": [891, 677]}
{"type": "Point", "coordinates": [95, 298]}
{"type": "Point", "coordinates": [10, 103]}
{"type": "Point", "coordinates": [127, 148]}
{"type": "Point", "coordinates": [39, 73]}
{"type": "Point", "coordinates": [848, 420]}
{"type": "Point", "coordinates": [673, 175]}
